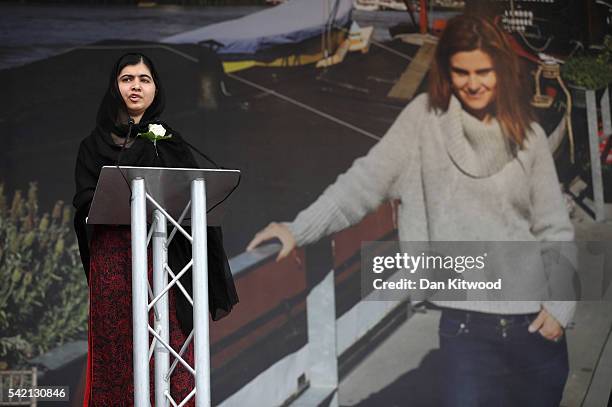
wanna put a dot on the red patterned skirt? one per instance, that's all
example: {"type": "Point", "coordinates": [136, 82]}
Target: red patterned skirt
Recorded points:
{"type": "Point", "coordinates": [110, 380]}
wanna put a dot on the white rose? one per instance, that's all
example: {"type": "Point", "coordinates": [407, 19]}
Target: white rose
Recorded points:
{"type": "Point", "coordinates": [157, 129]}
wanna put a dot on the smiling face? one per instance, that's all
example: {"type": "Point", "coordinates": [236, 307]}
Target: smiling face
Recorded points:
{"type": "Point", "coordinates": [474, 81]}
{"type": "Point", "coordinates": [137, 89]}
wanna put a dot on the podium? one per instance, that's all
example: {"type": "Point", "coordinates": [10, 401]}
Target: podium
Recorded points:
{"type": "Point", "coordinates": [141, 196]}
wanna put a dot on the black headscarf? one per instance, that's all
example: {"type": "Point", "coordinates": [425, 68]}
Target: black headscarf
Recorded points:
{"type": "Point", "coordinates": [99, 149]}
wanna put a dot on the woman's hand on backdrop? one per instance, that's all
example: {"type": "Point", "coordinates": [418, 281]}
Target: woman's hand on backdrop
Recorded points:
{"type": "Point", "coordinates": [278, 231]}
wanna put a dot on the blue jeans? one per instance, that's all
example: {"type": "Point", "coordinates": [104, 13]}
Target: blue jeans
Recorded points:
{"type": "Point", "coordinates": [492, 360]}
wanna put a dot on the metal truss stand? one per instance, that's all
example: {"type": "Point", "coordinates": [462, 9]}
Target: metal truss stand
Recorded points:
{"type": "Point", "coordinates": [160, 346]}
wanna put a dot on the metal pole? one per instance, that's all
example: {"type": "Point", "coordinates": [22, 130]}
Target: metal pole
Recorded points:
{"type": "Point", "coordinates": [423, 17]}
{"type": "Point", "coordinates": [200, 292]}
{"type": "Point", "coordinates": [596, 175]}
{"type": "Point", "coordinates": [34, 384]}
{"type": "Point", "coordinates": [606, 119]}
{"type": "Point", "coordinates": [140, 318]}
{"type": "Point", "coordinates": [161, 326]}
{"type": "Point", "coordinates": [322, 337]}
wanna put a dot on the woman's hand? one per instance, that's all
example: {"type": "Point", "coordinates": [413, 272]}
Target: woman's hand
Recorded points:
{"type": "Point", "coordinates": [547, 325]}
{"type": "Point", "coordinates": [275, 230]}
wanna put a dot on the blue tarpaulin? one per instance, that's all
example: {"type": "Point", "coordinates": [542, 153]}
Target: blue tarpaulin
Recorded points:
{"type": "Point", "coordinates": [289, 23]}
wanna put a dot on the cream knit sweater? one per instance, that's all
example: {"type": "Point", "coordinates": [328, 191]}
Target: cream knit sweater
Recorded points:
{"type": "Point", "coordinates": [457, 180]}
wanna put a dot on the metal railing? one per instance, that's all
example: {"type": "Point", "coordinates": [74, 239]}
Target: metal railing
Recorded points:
{"type": "Point", "coordinates": [337, 320]}
{"type": "Point", "coordinates": [598, 206]}
{"type": "Point", "coordinates": [17, 379]}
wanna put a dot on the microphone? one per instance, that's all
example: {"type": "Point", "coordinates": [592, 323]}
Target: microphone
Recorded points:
{"type": "Point", "coordinates": [127, 136]}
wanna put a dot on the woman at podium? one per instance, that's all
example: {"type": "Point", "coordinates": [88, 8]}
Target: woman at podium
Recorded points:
{"type": "Point", "coordinates": [129, 132]}
{"type": "Point", "coordinates": [468, 163]}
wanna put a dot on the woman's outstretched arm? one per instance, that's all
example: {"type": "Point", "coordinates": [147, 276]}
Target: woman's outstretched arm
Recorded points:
{"type": "Point", "coordinates": [362, 188]}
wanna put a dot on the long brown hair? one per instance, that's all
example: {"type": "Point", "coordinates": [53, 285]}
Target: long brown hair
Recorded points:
{"type": "Point", "coordinates": [470, 33]}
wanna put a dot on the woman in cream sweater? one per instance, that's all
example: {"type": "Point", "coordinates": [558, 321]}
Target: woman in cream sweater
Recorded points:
{"type": "Point", "coordinates": [468, 163]}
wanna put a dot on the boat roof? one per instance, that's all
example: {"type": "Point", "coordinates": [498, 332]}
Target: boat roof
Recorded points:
{"type": "Point", "coordinates": [289, 23]}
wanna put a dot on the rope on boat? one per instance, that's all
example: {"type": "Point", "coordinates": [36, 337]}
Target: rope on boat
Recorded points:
{"type": "Point", "coordinates": [306, 107]}
{"type": "Point", "coordinates": [391, 50]}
